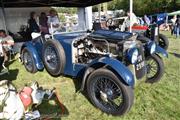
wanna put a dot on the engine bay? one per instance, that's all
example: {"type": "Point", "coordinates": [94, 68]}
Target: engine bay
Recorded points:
{"type": "Point", "coordinates": [87, 48]}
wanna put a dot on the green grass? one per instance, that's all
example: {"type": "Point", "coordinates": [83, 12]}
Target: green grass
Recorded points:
{"type": "Point", "coordinates": [160, 101]}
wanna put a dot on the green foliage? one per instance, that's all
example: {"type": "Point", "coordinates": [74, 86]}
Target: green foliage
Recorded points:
{"type": "Point", "coordinates": [66, 10]}
{"type": "Point", "coordinates": [62, 17]}
{"type": "Point", "coordinates": [142, 7]}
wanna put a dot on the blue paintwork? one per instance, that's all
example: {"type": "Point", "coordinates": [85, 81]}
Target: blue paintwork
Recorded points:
{"type": "Point", "coordinates": [162, 51]}
{"type": "Point", "coordinates": [72, 69]}
{"type": "Point", "coordinates": [66, 41]}
{"type": "Point", "coordinates": [36, 56]}
{"type": "Point", "coordinates": [108, 34]}
{"type": "Point", "coordinates": [119, 67]}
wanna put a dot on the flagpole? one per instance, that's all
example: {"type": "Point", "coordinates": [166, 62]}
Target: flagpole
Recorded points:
{"type": "Point", "coordinates": [131, 11]}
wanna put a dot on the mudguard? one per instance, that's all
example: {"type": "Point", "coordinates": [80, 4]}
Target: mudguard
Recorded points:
{"type": "Point", "coordinates": [36, 57]}
{"type": "Point", "coordinates": [120, 68]}
{"type": "Point", "coordinates": [162, 51]}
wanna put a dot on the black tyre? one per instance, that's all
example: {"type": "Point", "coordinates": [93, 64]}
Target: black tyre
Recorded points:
{"type": "Point", "coordinates": [155, 68]}
{"type": "Point", "coordinates": [143, 39]}
{"type": "Point", "coordinates": [28, 61]}
{"type": "Point", "coordinates": [108, 93]}
{"type": "Point", "coordinates": [163, 41]}
{"type": "Point", "coordinates": [54, 57]}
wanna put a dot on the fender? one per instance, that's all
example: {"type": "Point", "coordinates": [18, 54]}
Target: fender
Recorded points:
{"type": "Point", "coordinates": [120, 68]}
{"type": "Point", "coordinates": [162, 51]}
{"type": "Point", "coordinates": [36, 57]}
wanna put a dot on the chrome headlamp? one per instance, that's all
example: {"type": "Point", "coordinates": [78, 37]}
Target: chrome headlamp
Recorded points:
{"type": "Point", "coordinates": [132, 55]}
{"type": "Point", "coordinates": [151, 46]}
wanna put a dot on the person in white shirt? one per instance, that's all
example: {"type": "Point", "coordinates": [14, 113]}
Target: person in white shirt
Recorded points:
{"type": "Point", "coordinates": [134, 21]}
{"type": "Point", "coordinates": [53, 21]}
{"type": "Point", "coordinates": [173, 25]}
{"type": "Point", "coordinates": [6, 42]}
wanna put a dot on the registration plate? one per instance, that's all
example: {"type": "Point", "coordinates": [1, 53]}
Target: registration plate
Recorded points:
{"type": "Point", "coordinates": [140, 67]}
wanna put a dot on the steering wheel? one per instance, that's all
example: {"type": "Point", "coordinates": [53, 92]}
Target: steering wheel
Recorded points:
{"type": "Point", "coordinates": [109, 22]}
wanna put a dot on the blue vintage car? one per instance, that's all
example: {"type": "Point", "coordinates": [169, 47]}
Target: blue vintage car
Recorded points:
{"type": "Point", "coordinates": [102, 59]}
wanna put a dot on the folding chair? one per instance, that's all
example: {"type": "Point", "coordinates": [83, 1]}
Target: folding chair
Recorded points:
{"type": "Point", "coordinates": [11, 53]}
{"type": "Point", "coordinates": [4, 69]}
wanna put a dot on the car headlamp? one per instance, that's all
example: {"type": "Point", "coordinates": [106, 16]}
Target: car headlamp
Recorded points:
{"type": "Point", "coordinates": [152, 47]}
{"type": "Point", "coordinates": [132, 55]}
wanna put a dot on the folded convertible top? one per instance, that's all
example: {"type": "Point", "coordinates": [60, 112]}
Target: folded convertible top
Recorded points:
{"type": "Point", "coordinates": [113, 35]}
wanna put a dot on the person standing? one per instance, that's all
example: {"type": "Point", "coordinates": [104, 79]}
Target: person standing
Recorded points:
{"type": "Point", "coordinates": [134, 21]}
{"type": "Point", "coordinates": [32, 24]}
{"type": "Point", "coordinates": [53, 21]}
{"type": "Point", "coordinates": [173, 27]}
{"type": "Point", "coordinates": [177, 26]}
{"type": "Point", "coordinates": [43, 23]}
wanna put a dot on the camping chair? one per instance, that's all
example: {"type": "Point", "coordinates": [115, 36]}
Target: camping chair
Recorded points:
{"type": "Point", "coordinates": [3, 68]}
{"type": "Point", "coordinates": [11, 53]}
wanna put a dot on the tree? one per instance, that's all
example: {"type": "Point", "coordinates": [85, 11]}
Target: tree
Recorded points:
{"type": "Point", "coordinates": [66, 10]}
{"type": "Point", "coordinates": [142, 7]}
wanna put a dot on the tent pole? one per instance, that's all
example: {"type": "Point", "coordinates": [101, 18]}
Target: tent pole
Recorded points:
{"type": "Point", "coordinates": [131, 11]}
{"type": "Point", "coordinates": [99, 11]}
{"type": "Point", "coordinates": [4, 16]}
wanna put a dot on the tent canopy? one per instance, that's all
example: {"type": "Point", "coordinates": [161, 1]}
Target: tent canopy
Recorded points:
{"type": "Point", "coordinates": [49, 3]}
{"type": "Point", "coordinates": [174, 13]}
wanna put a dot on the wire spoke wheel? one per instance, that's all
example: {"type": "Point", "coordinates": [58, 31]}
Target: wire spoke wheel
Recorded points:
{"type": "Point", "coordinates": [51, 57]}
{"type": "Point", "coordinates": [155, 68]}
{"type": "Point", "coordinates": [152, 68]}
{"type": "Point", "coordinates": [28, 61]}
{"type": "Point", "coordinates": [108, 93]}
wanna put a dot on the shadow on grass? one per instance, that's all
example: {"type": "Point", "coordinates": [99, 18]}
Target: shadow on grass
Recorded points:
{"type": "Point", "coordinates": [52, 109]}
{"type": "Point", "coordinates": [175, 54]}
{"type": "Point", "coordinates": [10, 62]}
{"type": "Point", "coordinates": [11, 76]}
{"type": "Point", "coordinates": [78, 85]}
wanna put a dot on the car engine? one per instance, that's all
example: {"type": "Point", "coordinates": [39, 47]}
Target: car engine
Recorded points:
{"type": "Point", "coordinates": [88, 48]}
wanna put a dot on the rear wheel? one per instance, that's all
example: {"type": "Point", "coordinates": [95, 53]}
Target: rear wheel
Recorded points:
{"type": "Point", "coordinates": [163, 41]}
{"type": "Point", "coordinates": [28, 61]}
{"type": "Point", "coordinates": [54, 57]}
{"type": "Point", "coordinates": [155, 68]}
{"type": "Point", "coordinates": [143, 39]}
{"type": "Point", "coordinates": [108, 93]}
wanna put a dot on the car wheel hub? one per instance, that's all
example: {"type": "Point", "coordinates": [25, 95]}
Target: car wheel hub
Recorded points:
{"type": "Point", "coordinates": [104, 96]}
{"type": "Point", "coordinates": [49, 58]}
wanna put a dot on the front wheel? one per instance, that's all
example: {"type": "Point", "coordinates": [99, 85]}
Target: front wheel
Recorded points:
{"type": "Point", "coordinates": [108, 93]}
{"type": "Point", "coordinates": [155, 68]}
{"type": "Point", "coordinates": [28, 61]}
{"type": "Point", "coordinates": [163, 41]}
